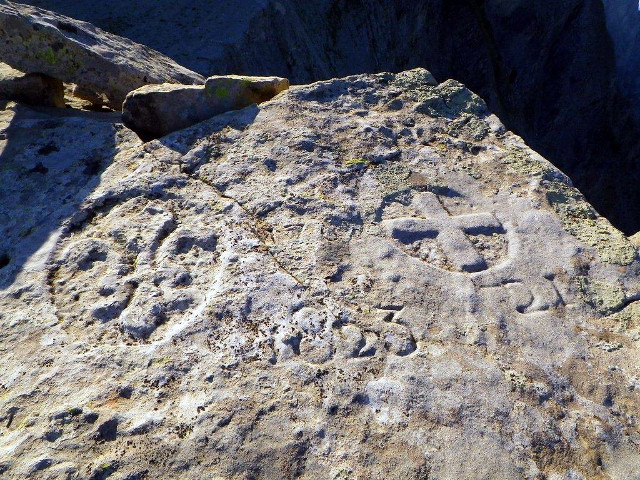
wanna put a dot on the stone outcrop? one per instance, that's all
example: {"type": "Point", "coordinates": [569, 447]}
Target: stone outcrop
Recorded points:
{"type": "Point", "coordinates": [108, 66]}
{"type": "Point", "coordinates": [154, 111]}
{"type": "Point", "coordinates": [366, 277]}
{"type": "Point", "coordinates": [548, 69]}
{"type": "Point", "coordinates": [32, 89]}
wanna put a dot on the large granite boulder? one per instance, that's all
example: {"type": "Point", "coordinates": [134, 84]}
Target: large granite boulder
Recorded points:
{"type": "Point", "coordinates": [366, 277]}
{"type": "Point", "coordinates": [39, 41]}
{"type": "Point", "coordinates": [30, 88]}
{"type": "Point", "coordinates": [154, 111]}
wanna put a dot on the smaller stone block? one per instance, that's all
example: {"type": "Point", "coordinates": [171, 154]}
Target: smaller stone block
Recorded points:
{"type": "Point", "coordinates": [154, 111]}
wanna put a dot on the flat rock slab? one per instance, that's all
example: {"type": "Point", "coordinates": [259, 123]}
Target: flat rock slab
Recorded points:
{"type": "Point", "coordinates": [364, 278]}
{"type": "Point", "coordinates": [36, 40]}
{"type": "Point", "coordinates": [30, 88]}
{"type": "Point", "coordinates": [154, 111]}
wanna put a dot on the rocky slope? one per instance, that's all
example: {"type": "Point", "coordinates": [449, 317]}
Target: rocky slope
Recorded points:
{"type": "Point", "coordinates": [365, 277]}
{"type": "Point", "coordinates": [548, 69]}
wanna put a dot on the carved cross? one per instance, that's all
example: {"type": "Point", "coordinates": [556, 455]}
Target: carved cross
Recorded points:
{"type": "Point", "coordinates": [449, 231]}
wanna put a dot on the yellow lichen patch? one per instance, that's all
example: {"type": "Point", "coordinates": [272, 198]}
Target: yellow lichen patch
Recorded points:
{"type": "Point", "coordinates": [582, 221]}
{"type": "Point", "coordinates": [605, 297]}
{"type": "Point", "coordinates": [628, 317]}
{"type": "Point", "coordinates": [357, 162]}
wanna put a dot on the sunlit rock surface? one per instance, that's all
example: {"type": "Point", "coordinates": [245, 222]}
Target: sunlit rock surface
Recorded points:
{"type": "Point", "coordinates": [363, 278]}
{"type": "Point", "coordinates": [547, 69]}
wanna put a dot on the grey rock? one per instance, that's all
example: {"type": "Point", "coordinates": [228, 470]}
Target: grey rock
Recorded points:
{"type": "Point", "coordinates": [108, 66]}
{"type": "Point", "coordinates": [154, 111]}
{"type": "Point", "coordinates": [457, 310]}
{"type": "Point", "coordinates": [32, 89]}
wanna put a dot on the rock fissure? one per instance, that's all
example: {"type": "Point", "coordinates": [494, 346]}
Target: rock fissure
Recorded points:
{"type": "Point", "coordinates": [255, 226]}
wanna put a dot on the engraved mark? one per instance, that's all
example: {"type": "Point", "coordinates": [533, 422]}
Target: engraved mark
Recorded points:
{"type": "Point", "coordinates": [539, 297]}
{"type": "Point", "coordinates": [449, 231]}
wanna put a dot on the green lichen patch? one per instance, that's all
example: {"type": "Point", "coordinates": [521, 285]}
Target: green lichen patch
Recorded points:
{"type": "Point", "coordinates": [578, 217]}
{"type": "Point", "coordinates": [581, 220]}
{"type": "Point", "coordinates": [64, 58]}
{"type": "Point", "coordinates": [222, 93]}
{"type": "Point", "coordinates": [414, 79]}
{"type": "Point", "coordinates": [48, 56]}
{"type": "Point", "coordinates": [469, 126]}
{"type": "Point", "coordinates": [393, 177]}
{"type": "Point", "coordinates": [521, 161]}
{"type": "Point", "coordinates": [450, 99]}
{"type": "Point", "coordinates": [628, 316]}
{"type": "Point", "coordinates": [605, 297]}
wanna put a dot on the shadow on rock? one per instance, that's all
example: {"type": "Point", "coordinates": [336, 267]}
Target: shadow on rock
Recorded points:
{"type": "Point", "coordinates": [50, 160]}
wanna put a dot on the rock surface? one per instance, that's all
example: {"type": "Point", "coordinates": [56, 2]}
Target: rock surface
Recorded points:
{"type": "Point", "coordinates": [104, 64]}
{"type": "Point", "coordinates": [154, 111]}
{"type": "Point", "coordinates": [548, 69]}
{"type": "Point", "coordinates": [366, 277]}
{"type": "Point", "coordinates": [32, 89]}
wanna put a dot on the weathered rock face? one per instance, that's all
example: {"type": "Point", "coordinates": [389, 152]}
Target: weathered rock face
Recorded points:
{"type": "Point", "coordinates": [108, 66]}
{"type": "Point", "coordinates": [363, 278]}
{"type": "Point", "coordinates": [154, 111]}
{"type": "Point", "coordinates": [32, 89]}
{"type": "Point", "coordinates": [546, 68]}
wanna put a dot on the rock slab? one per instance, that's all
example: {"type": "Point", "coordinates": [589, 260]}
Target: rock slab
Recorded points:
{"type": "Point", "coordinates": [39, 41]}
{"type": "Point", "coordinates": [364, 278]}
{"type": "Point", "coordinates": [154, 111]}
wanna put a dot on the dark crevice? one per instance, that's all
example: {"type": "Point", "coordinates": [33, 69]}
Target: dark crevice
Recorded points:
{"type": "Point", "coordinates": [4, 260]}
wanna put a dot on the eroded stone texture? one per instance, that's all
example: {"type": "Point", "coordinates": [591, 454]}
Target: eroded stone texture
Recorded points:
{"type": "Point", "coordinates": [108, 66]}
{"type": "Point", "coordinates": [354, 280]}
{"type": "Point", "coordinates": [154, 111]}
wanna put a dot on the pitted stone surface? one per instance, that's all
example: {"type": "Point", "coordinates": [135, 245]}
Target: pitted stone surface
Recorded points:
{"type": "Point", "coordinates": [253, 297]}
